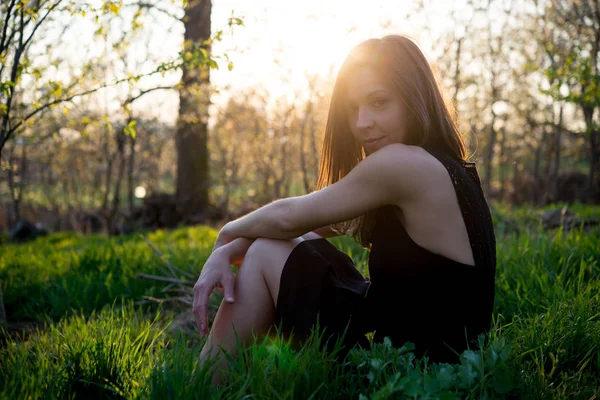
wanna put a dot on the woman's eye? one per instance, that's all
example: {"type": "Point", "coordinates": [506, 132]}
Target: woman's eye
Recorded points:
{"type": "Point", "coordinates": [378, 103]}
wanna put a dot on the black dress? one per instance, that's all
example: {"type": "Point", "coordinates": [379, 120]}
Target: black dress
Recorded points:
{"type": "Point", "coordinates": [413, 295]}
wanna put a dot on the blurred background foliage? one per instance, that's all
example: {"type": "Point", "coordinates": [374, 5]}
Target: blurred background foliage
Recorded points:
{"type": "Point", "coordinates": [135, 134]}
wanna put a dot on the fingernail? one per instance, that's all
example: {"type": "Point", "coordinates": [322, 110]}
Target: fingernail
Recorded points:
{"type": "Point", "coordinates": [230, 299]}
{"type": "Point", "coordinates": [201, 328]}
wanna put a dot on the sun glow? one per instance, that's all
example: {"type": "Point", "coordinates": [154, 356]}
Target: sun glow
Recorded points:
{"type": "Point", "coordinates": [287, 40]}
{"type": "Point", "coordinates": [282, 43]}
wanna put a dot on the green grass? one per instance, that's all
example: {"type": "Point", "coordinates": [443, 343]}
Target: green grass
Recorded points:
{"type": "Point", "coordinates": [96, 344]}
{"type": "Point", "coordinates": [64, 273]}
{"type": "Point", "coordinates": [100, 356]}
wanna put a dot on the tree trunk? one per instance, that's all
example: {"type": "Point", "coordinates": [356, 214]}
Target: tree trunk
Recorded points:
{"type": "Point", "coordinates": [515, 182]}
{"type": "Point", "coordinates": [131, 162]}
{"type": "Point", "coordinates": [557, 148]}
{"type": "Point", "coordinates": [594, 178]}
{"type": "Point", "coordinates": [313, 148]}
{"type": "Point", "coordinates": [108, 175]}
{"type": "Point", "coordinates": [223, 203]}
{"type": "Point", "coordinates": [16, 188]}
{"type": "Point", "coordinates": [536, 168]}
{"type": "Point", "coordinates": [6, 131]}
{"type": "Point", "coordinates": [192, 133]}
{"type": "Point", "coordinates": [492, 137]}
{"type": "Point", "coordinates": [303, 163]}
{"type": "Point", "coordinates": [595, 167]}
{"type": "Point", "coordinates": [48, 183]}
{"type": "Point", "coordinates": [494, 53]}
{"type": "Point", "coordinates": [594, 174]}
{"type": "Point", "coordinates": [66, 193]}
{"type": "Point", "coordinates": [284, 182]}
{"type": "Point", "coordinates": [490, 157]}
{"type": "Point", "coordinates": [502, 163]}
{"type": "Point", "coordinates": [120, 138]}
{"type": "Point", "coordinates": [457, 78]}
{"type": "Point", "coordinates": [232, 182]}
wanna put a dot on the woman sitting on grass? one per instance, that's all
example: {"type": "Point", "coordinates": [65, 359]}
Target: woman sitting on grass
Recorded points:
{"type": "Point", "coordinates": [393, 175]}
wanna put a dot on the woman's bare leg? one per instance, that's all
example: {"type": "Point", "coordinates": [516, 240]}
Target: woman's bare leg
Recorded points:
{"type": "Point", "coordinates": [256, 290]}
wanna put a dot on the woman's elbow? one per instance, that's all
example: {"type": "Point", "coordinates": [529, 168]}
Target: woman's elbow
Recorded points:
{"type": "Point", "coordinates": [289, 222]}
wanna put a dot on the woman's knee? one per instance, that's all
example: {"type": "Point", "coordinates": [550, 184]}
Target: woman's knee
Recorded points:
{"type": "Point", "coordinates": [270, 251]}
{"type": "Point", "coordinates": [268, 257]}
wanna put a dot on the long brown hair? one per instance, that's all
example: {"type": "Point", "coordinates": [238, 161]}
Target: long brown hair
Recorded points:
{"type": "Point", "coordinates": [431, 122]}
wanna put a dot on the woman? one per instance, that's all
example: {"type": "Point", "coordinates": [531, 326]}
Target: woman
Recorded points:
{"type": "Point", "coordinates": [393, 175]}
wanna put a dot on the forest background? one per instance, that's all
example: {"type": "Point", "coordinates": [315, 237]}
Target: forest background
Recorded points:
{"type": "Point", "coordinates": [121, 118]}
{"type": "Point", "coordinates": [125, 115]}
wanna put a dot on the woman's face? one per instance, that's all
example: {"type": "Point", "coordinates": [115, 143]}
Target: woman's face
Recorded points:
{"type": "Point", "coordinates": [376, 114]}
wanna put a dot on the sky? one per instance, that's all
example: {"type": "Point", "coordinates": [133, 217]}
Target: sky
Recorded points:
{"type": "Point", "coordinates": [282, 41]}
{"type": "Point", "coordinates": [309, 36]}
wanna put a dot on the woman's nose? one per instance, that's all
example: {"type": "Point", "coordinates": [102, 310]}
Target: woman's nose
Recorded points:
{"type": "Point", "coordinates": [364, 119]}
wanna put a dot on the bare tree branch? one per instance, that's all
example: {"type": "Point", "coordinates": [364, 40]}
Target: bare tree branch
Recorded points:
{"type": "Point", "coordinates": [146, 91]}
{"type": "Point", "coordinates": [152, 6]}
{"type": "Point", "coordinates": [42, 21]}
{"type": "Point", "coordinates": [5, 27]}
{"type": "Point", "coordinates": [67, 99]}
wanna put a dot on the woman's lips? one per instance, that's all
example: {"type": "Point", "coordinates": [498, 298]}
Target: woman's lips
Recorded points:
{"type": "Point", "coordinates": [372, 145]}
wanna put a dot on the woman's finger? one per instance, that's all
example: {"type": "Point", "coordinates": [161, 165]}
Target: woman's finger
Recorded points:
{"type": "Point", "coordinates": [228, 282]}
{"type": "Point", "coordinates": [201, 293]}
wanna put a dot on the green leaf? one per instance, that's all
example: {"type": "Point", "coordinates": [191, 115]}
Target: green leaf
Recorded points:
{"type": "Point", "coordinates": [445, 376]}
{"type": "Point", "coordinates": [130, 129]}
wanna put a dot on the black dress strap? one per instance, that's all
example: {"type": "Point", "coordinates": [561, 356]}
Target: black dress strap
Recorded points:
{"type": "Point", "coordinates": [474, 208]}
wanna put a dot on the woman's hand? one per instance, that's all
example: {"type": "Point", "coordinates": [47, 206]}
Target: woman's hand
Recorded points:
{"type": "Point", "coordinates": [215, 273]}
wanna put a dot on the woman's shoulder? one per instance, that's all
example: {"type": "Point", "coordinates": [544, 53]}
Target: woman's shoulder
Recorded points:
{"type": "Point", "coordinates": [423, 158]}
{"type": "Point", "coordinates": [412, 161]}
{"type": "Point", "coordinates": [413, 173]}
{"type": "Point", "coordinates": [412, 167]}
{"type": "Point", "coordinates": [434, 176]}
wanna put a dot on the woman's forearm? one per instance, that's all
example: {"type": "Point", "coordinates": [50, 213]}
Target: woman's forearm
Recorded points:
{"type": "Point", "coordinates": [270, 221]}
{"type": "Point", "coordinates": [267, 222]}
{"type": "Point", "coordinates": [235, 250]}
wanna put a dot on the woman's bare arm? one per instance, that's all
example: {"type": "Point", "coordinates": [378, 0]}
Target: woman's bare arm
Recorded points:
{"type": "Point", "coordinates": [239, 250]}
{"type": "Point", "coordinates": [236, 249]}
{"type": "Point", "coordinates": [396, 174]}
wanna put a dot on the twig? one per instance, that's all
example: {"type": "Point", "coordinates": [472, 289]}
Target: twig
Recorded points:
{"type": "Point", "coordinates": [174, 269]}
{"type": "Point", "coordinates": [164, 279]}
{"type": "Point", "coordinates": [184, 300]}
{"type": "Point", "coordinates": [152, 300]}
{"type": "Point", "coordinates": [169, 287]}
{"type": "Point", "coordinates": [177, 290]}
